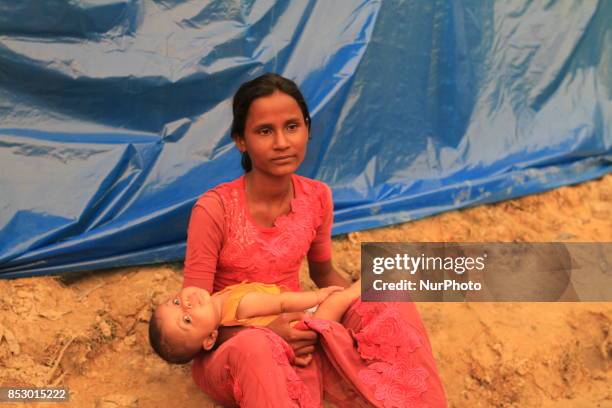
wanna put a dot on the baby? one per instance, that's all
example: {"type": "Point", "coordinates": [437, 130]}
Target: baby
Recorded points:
{"type": "Point", "coordinates": [188, 322]}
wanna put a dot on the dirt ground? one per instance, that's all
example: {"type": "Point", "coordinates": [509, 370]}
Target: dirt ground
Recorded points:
{"type": "Point", "coordinates": [88, 331]}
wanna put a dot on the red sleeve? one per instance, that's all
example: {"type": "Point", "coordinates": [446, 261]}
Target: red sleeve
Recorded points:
{"type": "Point", "coordinates": [204, 241]}
{"type": "Point", "coordinates": [321, 246]}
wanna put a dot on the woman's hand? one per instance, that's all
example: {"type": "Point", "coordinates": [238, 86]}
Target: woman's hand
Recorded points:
{"type": "Point", "coordinates": [301, 341]}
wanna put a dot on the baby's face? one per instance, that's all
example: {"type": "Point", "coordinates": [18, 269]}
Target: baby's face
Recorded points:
{"type": "Point", "coordinates": [188, 319]}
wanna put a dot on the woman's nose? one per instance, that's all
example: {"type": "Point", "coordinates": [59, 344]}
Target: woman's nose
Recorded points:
{"type": "Point", "coordinates": [280, 140]}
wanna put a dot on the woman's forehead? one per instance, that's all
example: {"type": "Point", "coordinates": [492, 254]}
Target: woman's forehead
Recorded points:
{"type": "Point", "coordinates": [274, 106]}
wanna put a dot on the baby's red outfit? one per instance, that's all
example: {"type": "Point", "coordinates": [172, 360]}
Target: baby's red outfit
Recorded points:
{"type": "Point", "coordinates": [379, 356]}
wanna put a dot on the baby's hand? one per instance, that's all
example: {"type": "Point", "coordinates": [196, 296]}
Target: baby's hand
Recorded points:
{"type": "Point", "coordinates": [324, 293]}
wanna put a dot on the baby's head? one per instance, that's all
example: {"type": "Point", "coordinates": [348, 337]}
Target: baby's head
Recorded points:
{"type": "Point", "coordinates": [184, 325]}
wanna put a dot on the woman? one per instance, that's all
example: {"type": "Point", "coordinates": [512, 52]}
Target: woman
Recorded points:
{"type": "Point", "coordinates": [259, 227]}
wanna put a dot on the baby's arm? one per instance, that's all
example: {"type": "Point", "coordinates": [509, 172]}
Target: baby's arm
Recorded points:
{"type": "Point", "coordinates": [334, 307]}
{"type": "Point", "coordinates": [255, 304]}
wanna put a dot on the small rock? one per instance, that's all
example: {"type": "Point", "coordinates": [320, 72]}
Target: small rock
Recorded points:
{"type": "Point", "coordinates": [144, 315]}
{"type": "Point", "coordinates": [498, 347]}
{"type": "Point", "coordinates": [24, 294]}
{"type": "Point", "coordinates": [354, 237]}
{"type": "Point", "coordinates": [105, 328]}
{"type": "Point", "coordinates": [522, 367]}
{"type": "Point", "coordinates": [11, 341]}
{"type": "Point", "coordinates": [565, 236]}
{"type": "Point", "coordinates": [50, 314]}
{"type": "Point", "coordinates": [130, 340]}
{"type": "Point", "coordinates": [117, 401]}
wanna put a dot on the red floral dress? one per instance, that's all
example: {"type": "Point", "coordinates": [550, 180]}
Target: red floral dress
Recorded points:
{"type": "Point", "coordinates": [378, 356]}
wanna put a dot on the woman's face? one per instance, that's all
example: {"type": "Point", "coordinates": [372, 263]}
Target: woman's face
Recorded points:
{"type": "Point", "coordinates": [275, 135]}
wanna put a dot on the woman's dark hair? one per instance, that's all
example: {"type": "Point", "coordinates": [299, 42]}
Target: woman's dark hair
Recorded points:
{"type": "Point", "coordinates": [263, 85]}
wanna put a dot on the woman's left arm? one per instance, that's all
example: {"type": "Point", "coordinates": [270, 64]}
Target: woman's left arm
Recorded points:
{"type": "Point", "coordinates": [323, 274]}
{"type": "Point", "coordinates": [320, 266]}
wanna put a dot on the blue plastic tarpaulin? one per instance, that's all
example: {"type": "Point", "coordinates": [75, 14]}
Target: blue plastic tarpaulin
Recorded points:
{"type": "Point", "coordinates": [115, 114]}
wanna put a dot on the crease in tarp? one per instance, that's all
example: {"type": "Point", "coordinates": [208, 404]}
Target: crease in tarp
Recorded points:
{"type": "Point", "coordinates": [114, 117]}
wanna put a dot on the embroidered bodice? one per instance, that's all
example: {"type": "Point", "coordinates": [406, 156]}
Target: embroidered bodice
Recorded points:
{"type": "Point", "coordinates": [243, 250]}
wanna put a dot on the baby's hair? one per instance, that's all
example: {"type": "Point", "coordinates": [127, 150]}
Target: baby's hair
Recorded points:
{"type": "Point", "coordinates": [169, 352]}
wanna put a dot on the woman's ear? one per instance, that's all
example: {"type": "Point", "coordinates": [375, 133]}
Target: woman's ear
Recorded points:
{"type": "Point", "coordinates": [240, 144]}
{"type": "Point", "coordinates": [210, 341]}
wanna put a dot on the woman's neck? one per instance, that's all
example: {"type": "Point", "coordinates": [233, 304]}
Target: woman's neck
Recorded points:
{"type": "Point", "coordinates": [264, 188]}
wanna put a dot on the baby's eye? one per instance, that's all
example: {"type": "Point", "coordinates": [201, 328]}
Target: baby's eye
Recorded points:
{"type": "Point", "coordinates": [187, 319]}
{"type": "Point", "coordinates": [176, 301]}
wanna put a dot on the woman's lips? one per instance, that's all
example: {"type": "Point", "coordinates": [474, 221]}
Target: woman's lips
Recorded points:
{"type": "Point", "coordinates": [282, 159]}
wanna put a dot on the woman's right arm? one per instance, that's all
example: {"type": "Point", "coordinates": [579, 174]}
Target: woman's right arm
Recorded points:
{"type": "Point", "coordinates": [204, 242]}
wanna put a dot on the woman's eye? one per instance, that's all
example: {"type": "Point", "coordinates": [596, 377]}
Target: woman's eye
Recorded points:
{"type": "Point", "coordinates": [176, 301]}
{"type": "Point", "coordinates": [265, 131]}
{"type": "Point", "coordinates": [187, 319]}
{"type": "Point", "coordinates": [292, 127]}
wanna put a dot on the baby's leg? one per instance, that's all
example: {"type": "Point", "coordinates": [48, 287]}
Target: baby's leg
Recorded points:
{"type": "Point", "coordinates": [337, 303]}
